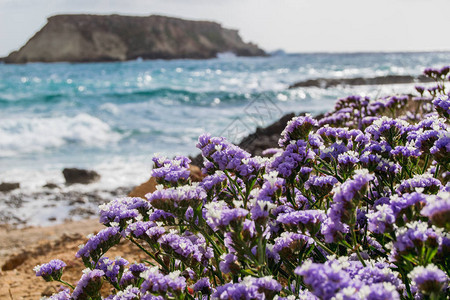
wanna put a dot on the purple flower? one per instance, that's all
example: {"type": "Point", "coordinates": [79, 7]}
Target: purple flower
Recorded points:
{"type": "Point", "coordinates": [203, 286]}
{"type": "Point", "coordinates": [64, 294]}
{"type": "Point", "coordinates": [320, 186]}
{"type": "Point", "coordinates": [332, 152]}
{"type": "Point", "coordinates": [236, 291]}
{"type": "Point", "coordinates": [260, 210]}
{"type": "Point", "coordinates": [288, 244]}
{"type": "Point", "coordinates": [405, 206]}
{"type": "Point", "coordinates": [123, 209]}
{"type": "Point", "coordinates": [272, 187]}
{"type": "Point", "coordinates": [171, 171]}
{"type": "Point", "coordinates": [381, 220]}
{"type": "Point", "coordinates": [441, 148]}
{"type": "Point", "coordinates": [292, 159]}
{"type": "Point", "coordinates": [426, 182]}
{"type": "Point", "coordinates": [324, 280]}
{"type": "Point", "coordinates": [442, 105]}
{"type": "Point", "coordinates": [188, 248]}
{"type": "Point", "coordinates": [177, 200]}
{"type": "Point", "coordinates": [332, 231]}
{"type": "Point", "coordinates": [267, 285]}
{"type": "Point", "coordinates": [406, 152]}
{"type": "Point", "coordinates": [98, 244]}
{"type": "Point", "coordinates": [156, 282]}
{"type": "Point", "coordinates": [130, 293]}
{"type": "Point", "coordinates": [437, 208]}
{"type": "Point", "coordinates": [50, 271]}
{"type": "Point", "coordinates": [429, 279]}
{"type": "Point", "coordinates": [378, 272]}
{"type": "Point", "coordinates": [348, 158]}
{"type": "Point", "coordinates": [223, 155]}
{"type": "Point", "coordinates": [249, 288]}
{"type": "Point", "coordinates": [89, 285]}
{"type": "Point", "coordinates": [348, 196]}
{"type": "Point", "coordinates": [271, 151]}
{"type": "Point", "coordinates": [138, 229]}
{"type": "Point", "coordinates": [219, 215]}
{"type": "Point", "coordinates": [297, 129]}
{"type": "Point", "coordinates": [228, 263]}
{"type": "Point", "coordinates": [390, 129]}
{"type": "Point", "coordinates": [112, 268]}
{"type": "Point", "coordinates": [305, 220]}
{"type": "Point", "coordinates": [377, 291]}
{"type": "Point", "coordinates": [413, 237]}
{"type": "Point", "coordinates": [215, 182]}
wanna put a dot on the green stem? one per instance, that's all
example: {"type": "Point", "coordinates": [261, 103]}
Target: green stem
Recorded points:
{"type": "Point", "coordinates": [156, 258]}
{"type": "Point", "coordinates": [66, 283]}
{"type": "Point", "coordinates": [323, 246]}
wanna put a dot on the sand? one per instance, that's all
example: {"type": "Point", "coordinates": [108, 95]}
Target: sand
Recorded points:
{"type": "Point", "coordinates": [22, 249]}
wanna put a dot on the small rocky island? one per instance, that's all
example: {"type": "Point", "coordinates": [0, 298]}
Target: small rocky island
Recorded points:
{"type": "Point", "coordinates": [97, 38]}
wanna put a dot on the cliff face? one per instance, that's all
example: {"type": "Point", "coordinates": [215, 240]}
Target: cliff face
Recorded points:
{"type": "Point", "coordinates": [90, 38]}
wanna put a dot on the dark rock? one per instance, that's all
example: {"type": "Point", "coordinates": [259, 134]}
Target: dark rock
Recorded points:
{"type": "Point", "coordinates": [389, 79]}
{"type": "Point", "coordinates": [51, 185]}
{"type": "Point", "coordinates": [79, 200]}
{"type": "Point", "coordinates": [15, 261]}
{"type": "Point", "coordinates": [9, 186]}
{"type": "Point", "coordinates": [74, 175]}
{"type": "Point", "coordinates": [93, 38]}
{"type": "Point", "coordinates": [264, 138]}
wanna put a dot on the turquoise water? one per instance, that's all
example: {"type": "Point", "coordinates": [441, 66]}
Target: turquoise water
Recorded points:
{"type": "Point", "coordinates": [113, 116]}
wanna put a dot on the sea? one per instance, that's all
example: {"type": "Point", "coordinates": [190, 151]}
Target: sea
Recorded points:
{"type": "Point", "coordinates": [112, 117]}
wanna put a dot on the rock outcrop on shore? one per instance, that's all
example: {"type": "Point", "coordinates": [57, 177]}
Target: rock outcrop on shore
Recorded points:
{"type": "Point", "coordinates": [389, 79]}
{"type": "Point", "coordinates": [95, 38]}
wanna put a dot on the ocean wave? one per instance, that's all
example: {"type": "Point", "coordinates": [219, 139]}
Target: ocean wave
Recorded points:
{"type": "Point", "coordinates": [27, 135]}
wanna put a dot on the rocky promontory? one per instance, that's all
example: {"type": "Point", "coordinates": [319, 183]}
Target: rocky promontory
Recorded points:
{"type": "Point", "coordinates": [95, 38]}
{"type": "Point", "coordinates": [388, 79]}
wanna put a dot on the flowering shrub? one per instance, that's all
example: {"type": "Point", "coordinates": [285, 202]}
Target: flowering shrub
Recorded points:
{"type": "Point", "coordinates": [353, 206]}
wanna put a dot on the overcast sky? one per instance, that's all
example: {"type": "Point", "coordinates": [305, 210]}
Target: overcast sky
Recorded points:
{"type": "Point", "coordinates": [292, 25]}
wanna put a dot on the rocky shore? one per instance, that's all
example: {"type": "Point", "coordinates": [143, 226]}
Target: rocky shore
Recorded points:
{"type": "Point", "coordinates": [381, 80]}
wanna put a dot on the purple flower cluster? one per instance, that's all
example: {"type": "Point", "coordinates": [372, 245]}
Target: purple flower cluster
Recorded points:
{"type": "Point", "coordinates": [50, 271]}
{"type": "Point", "coordinates": [426, 182]}
{"type": "Point", "coordinates": [442, 105]}
{"type": "Point", "coordinates": [123, 209]}
{"type": "Point", "coordinates": [177, 200]}
{"type": "Point", "coordinates": [346, 279]}
{"type": "Point", "coordinates": [437, 208]}
{"type": "Point", "coordinates": [99, 244]}
{"type": "Point", "coordinates": [305, 220]}
{"type": "Point", "coordinates": [288, 244]}
{"type": "Point", "coordinates": [297, 129]}
{"type": "Point", "coordinates": [413, 237]}
{"type": "Point", "coordinates": [429, 280]}
{"type": "Point", "coordinates": [222, 155]}
{"type": "Point", "coordinates": [112, 268]}
{"type": "Point", "coordinates": [187, 248]}
{"type": "Point", "coordinates": [249, 288]}
{"type": "Point", "coordinates": [219, 215]}
{"type": "Point", "coordinates": [171, 171]}
{"type": "Point", "coordinates": [156, 282]}
{"type": "Point", "coordinates": [356, 209]}
{"type": "Point", "coordinates": [292, 159]}
{"type": "Point", "coordinates": [320, 185]}
{"type": "Point", "coordinates": [89, 285]}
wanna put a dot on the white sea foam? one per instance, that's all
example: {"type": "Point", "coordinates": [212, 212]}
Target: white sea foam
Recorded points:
{"type": "Point", "coordinates": [27, 135]}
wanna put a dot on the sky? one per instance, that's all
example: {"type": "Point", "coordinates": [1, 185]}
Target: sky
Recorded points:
{"type": "Point", "coordinates": [291, 25]}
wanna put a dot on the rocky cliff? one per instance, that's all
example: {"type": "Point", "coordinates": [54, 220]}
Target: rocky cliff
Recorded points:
{"type": "Point", "coordinates": [91, 38]}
